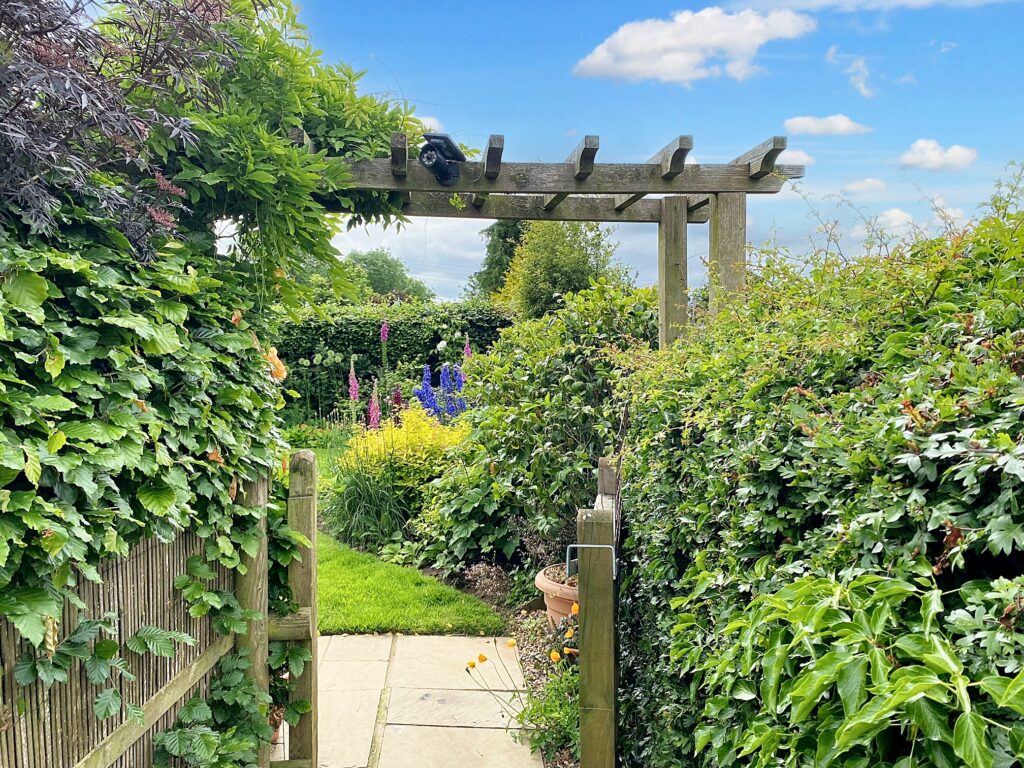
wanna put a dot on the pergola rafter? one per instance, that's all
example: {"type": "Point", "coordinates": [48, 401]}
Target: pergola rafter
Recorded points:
{"type": "Point", "coordinates": [582, 189]}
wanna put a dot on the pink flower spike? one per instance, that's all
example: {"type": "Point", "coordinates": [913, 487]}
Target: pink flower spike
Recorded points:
{"type": "Point", "coordinates": [374, 408]}
{"type": "Point", "coordinates": [353, 382]}
{"type": "Point", "coordinates": [467, 351]}
{"type": "Point", "coordinates": [384, 331]}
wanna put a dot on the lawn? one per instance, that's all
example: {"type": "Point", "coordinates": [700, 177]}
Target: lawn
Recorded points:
{"type": "Point", "coordinates": [360, 594]}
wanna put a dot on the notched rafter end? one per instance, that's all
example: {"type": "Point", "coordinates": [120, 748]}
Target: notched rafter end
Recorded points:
{"type": "Point", "coordinates": [399, 155]}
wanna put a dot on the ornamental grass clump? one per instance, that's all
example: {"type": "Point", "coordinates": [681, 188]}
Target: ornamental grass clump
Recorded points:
{"type": "Point", "coordinates": [824, 535]}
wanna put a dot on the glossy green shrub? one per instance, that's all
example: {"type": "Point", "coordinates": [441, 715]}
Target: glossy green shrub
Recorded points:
{"type": "Point", "coordinates": [541, 414]}
{"type": "Point", "coordinates": [823, 528]}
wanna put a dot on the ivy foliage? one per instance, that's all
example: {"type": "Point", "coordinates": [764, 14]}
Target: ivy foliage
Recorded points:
{"type": "Point", "coordinates": [542, 415]}
{"type": "Point", "coordinates": [822, 500]}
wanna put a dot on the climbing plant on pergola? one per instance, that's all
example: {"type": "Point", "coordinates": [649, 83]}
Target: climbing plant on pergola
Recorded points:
{"type": "Point", "coordinates": [581, 189]}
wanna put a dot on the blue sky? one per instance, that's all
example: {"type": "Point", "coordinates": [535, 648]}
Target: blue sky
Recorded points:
{"type": "Point", "coordinates": [904, 103]}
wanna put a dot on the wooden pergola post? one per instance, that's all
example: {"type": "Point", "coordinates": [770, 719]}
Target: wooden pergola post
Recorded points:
{"type": "Point", "coordinates": [727, 246]}
{"type": "Point", "coordinates": [672, 292]}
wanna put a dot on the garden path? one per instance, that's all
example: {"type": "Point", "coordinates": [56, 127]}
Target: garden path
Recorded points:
{"type": "Point", "coordinates": [404, 701]}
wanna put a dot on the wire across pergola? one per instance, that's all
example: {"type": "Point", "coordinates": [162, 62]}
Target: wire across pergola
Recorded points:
{"type": "Point", "coordinates": [581, 189]}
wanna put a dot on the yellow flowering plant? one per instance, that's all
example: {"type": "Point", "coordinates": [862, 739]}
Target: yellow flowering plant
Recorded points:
{"type": "Point", "coordinates": [382, 477]}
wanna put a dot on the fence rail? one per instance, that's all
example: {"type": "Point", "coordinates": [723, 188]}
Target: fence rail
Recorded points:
{"type": "Point", "coordinates": [56, 727]}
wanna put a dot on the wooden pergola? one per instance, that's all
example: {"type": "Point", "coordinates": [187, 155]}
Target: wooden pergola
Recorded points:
{"type": "Point", "coordinates": [581, 189]}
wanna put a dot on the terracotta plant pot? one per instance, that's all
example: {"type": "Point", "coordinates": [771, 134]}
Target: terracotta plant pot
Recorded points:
{"type": "Point", "coordinates": [558, 596]}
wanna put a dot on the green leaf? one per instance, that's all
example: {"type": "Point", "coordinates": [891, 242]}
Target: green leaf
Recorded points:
{"type": "Point", "coordinates": [262, 176]}
{"type": "Point", "coordinates": [161, 340]}
{"type": "Point", "coordinates": [931, 606]}
{"type": "Point", "coordinates": [157, 498]}
{"type": "Point", "coordinates": [33, 469]}
{"type": "Point", "coordinates": [1013, 696]}
{"type": "Point", "coordinates": [106, 649]}
{"type": "Point", "coordinates": [56, 441]}
{"type": "Point", "coordinates": [852, 684]}
{"type": "Point", "coordinates": [26, 291]}
{"type": "Point", "coordinates": [107, 703]}
{"type": "Point", "coordinates": [52, 403]}
{"type": "Point", "coordinates": [970, 741]}
{"type": "Point", "coordinates": [932, 718]}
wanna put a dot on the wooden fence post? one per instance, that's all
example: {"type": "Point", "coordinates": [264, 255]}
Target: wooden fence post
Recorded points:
{"type": "Point", "coordinates": [302, 743]}
{"type": "Point", "coordinates": [252, 591]}
{"type": "Point", "coordinates": [727, 246]}
{"type": "Point", "coordinates": [598, 656]}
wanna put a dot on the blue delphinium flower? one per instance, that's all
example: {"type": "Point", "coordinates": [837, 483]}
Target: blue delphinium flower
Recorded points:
{"type": "Point", "coordinates": [460, 379]}
{"type": "Point", "coordinates": [425, 394]}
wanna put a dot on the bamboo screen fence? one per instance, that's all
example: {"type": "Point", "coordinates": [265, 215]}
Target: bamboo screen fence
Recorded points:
{"type": "Point", "coordinates": [56, 728]}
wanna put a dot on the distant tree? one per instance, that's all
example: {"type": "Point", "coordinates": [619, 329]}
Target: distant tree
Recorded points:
{"type": "Point", "coordinates": [501, 237]}
{"type": "Point", "coordinates": [556, 258]}
{"type": "Point", "coordinates": [387, 274]}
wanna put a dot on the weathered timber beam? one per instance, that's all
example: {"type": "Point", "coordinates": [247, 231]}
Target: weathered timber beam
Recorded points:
{"type": "Point", "coordinates": [582, 161]}
{"type": "Point", "coordinates": [671, 158]}
{"type": "Point", "coordinates": [527, 207]}
{"type": "Point", "coordinates": [399, 155]}
{"type": "Point", "coordinates": [294, 626]}
{"type": "Point", "coordinates": [761, 159]}
{"type": "Point", "coordinates": [492, 155]}
{"type": "Point", "coordinates": [551, 178]}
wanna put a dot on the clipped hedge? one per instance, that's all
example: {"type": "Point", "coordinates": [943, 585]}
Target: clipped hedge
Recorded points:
{"type": "Point", "coordinates": [318, 350]}
{"type": "Point", "coordinates": [824, 536]}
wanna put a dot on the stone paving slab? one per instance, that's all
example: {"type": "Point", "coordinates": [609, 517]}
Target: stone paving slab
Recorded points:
{"type": "Point", "coordinates": [346, 724]}
{"type": "Point", "coordinates": [469, 709]}
{"type": "Point", "coordinates": [417, 746]}
{"type": "Point", "coordinates": [393, 701]}
{"type": "Point", "coordinates": [440, 662]}
{"type": "Point", "coordinates": [352, 675]}
{"type": "Point", "coordinates": [356, 647]}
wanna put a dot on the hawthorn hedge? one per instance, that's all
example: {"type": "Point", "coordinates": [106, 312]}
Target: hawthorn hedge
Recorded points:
{"type": "Point", "coordinates": [823, 528]}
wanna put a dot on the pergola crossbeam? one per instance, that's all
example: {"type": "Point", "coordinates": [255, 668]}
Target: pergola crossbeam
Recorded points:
{"type": "Point", "coordinates": [531, 207]}
{"type": "Point", "coordinates": [553, 178]}
{"type": "Point", "coordinates": [582, 161]}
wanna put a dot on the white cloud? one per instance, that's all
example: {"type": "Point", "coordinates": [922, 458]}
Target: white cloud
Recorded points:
{"type": "Point", "coordinates": [929, 155]}
{"type": "Point", "coordinates": [907, 79]}
{"type": "Point", "coordinates": [944, 46]}
{"type": "Point", "coordinates": [833, 125]}
{"type": "Point", "coordinates": [691, 46]}
{"type": "Point", "coordinates": [895, 221]}
{"type": "Point", "coordinates": [864, 186]}
{"type": "Point", "coordinates": [796, 157]}
{"type": "Point", "coordinates": [856, 67]}
{"type": "Point", "coordinates": [859, 73]}
{"type": "Point", "coordinates": [432, 124]}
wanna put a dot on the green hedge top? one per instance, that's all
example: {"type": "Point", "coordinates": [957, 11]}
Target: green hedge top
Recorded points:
{"type": "Point", "coordinates": [823, 507]}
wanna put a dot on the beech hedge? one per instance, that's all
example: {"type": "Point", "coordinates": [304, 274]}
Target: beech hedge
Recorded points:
{"type": "Point", "coordinates": [823, 528]}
